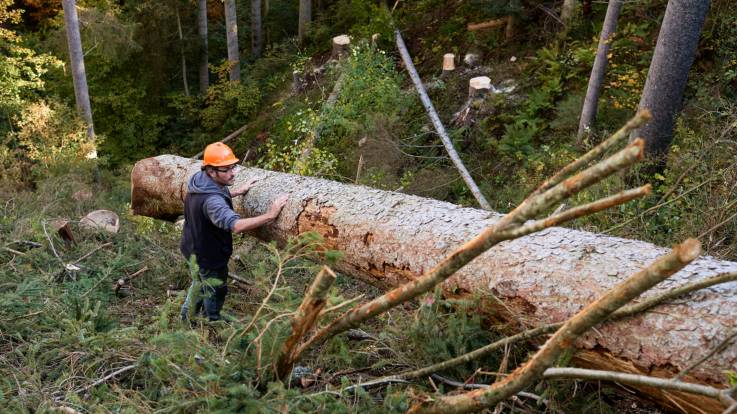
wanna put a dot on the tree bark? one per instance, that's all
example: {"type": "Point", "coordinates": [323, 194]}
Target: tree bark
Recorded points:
{"type": "Point", "coordinates": [256, 42]}
{"type": "Point", "coordinates": [668, 74]}
{"type": "Point", "coordinates": [76, 58]}
{"type": "Point", "coordinates": [231, 28]}
{"type": "Point", "coordinates": [202, 32]}
{"type": "Point", "coordinates": [591, 103]}
{"type": "Point", "coordinates": [305, 17]}
{"type": "Point", "coordinates": [567, 11]}
{"type": "Point", "coordinates": [391, 238]}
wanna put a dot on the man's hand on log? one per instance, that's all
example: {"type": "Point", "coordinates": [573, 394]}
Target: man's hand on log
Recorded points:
{"type": "Point", "coordinates": [277, 205]}
{"type": "Point", "coordinates": [243, 189]}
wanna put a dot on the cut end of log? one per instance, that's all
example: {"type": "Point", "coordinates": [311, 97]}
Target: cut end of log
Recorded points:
{"type": "Point", "coordinates": [448, 62]}
{"type": "Point", "coordinates": [479, 86]}
{"type": "Point", "coordinates": [689, 250]}
{"type": "Point", "coordinates": [341, 44]}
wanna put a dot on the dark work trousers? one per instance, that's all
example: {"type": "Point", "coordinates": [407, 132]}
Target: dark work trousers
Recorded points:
{"type": "Point", "coordinates": [214, 288]}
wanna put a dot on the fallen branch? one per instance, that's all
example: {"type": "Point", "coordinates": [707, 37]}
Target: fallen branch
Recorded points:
{"type": "Point", "coordinates": [240, 279]}
{"type": "Point", "coordinates": [465, 386]}
{"type": "Point", "coordinates": [591, 315]}
{"type": "Point", "coordinates": [427, 103]}
{"type": "Point", "coordinates": [305, 318]}
{"type": "Point", "coordinates": [621, 135]}
{"type": "Point", "coordinates": [121, 282]}
{"type": "Point", "coordinates": [232, 135]}
{"type": "Point", "coordinates": [631, 379]}
{"type": "Point", "coordinates": [108, 376]}
{"type": "Point", "coordinates": [648, 303]}
{"type": "Point", "coordinates": [91, 252]}
{"type": "Point", "coordinates": [490, 24]}
{"type": "Point", "coordinates": [478, 353]}
{"type": "Point", "coordinates": [15, 252]}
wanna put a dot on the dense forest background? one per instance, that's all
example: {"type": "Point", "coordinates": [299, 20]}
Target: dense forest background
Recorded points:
{"type": "Point", "coordinates": [142, 62]}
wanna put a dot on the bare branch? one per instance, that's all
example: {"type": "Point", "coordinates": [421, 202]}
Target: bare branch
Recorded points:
{"type": "Point", "coordinates": [639, 119]}
{"type": "Point", "coordinates": [304, 319]}
{"type": "Point", "coordinates": [432, 113]}
{"type": "Point", "coordinates": [631, 379]}
{"type": "Point", "coordinates": [648, 303]}
{"type": "Point", "coordinates": [478, 353]}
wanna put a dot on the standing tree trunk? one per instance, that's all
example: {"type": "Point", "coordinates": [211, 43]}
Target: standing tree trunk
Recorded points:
{"type": "Point", "coordinates": [202, 32]}
{"type": "Point", "coordinates": [668, 74]}
{"type": "Point", "coordinates": [305, 16]}
{"type": "Point", "coordinates": [184, 60]}
{"type": "Point", "coordinates": [231, 28]}
{"type": "Point", "coordinates": [591, 103]}
{"type": "Point", "coordinates": [567, 11]}
{"type": "Point", "coordinates": [256, 43]}
{"type": "Point", "coordinates": [76, 57]}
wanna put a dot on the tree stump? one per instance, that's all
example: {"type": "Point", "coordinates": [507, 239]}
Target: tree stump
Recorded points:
{"type": "Point", "coordinates": [341, 45]}
{"type": "Point", "coordinates": [479, 87]}
{"type": "Point", "coordinates": [448, 63]}
{"type": "Point", "coordinates": [471, 60]}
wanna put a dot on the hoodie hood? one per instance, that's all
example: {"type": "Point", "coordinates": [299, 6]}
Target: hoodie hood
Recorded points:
{"type": "Point", "coordinates": [201, 183]}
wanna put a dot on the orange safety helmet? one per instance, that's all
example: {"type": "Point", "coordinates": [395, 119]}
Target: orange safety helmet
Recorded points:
{"type": "Point", "coordinates": [218, 154]}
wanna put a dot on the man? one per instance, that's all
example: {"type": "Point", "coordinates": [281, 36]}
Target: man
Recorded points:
{"type": "Point", "coordinates": [209, 220]}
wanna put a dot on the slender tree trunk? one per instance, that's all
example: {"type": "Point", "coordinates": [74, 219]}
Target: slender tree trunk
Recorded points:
{"type": "Point", "coordinates": [470, 183]}
{"type": "Point", "coordinates": [76, 57]}
{"type": "Point", "coordinates": [256, 42]}
{"type": "Point", "coordinates": [202, 32]}
{"type": "Point", "coordinates": [184, 60]}
{"type": "Point", "coordinates": [591, 103]}
{"type": "Point", "coordinates": [567, 11]}
{"type": "Point", "coordinates": [668, 74]}
{"type": "Point", "coordinates": [231, 27]}
{"type": "Point", "coordinates": [305, 17]}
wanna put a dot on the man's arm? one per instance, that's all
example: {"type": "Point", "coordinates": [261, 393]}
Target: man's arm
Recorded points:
{"type": "Point", "coordinates": [245, 224]}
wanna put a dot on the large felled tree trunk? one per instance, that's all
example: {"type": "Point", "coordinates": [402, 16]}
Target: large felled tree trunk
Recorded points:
{"type": "Point", "coordinates": [668, 73]}
{"type": "Point", "coordinates": [202, 32]}
{"type": "Point", "coordinates": [231, 28]}
{"type": "Point", "coordinates": [591, 103]}
{"type": "Point", "coordinates": [76, 58]}
{"type": "Point", "coordinates": [390, 238]}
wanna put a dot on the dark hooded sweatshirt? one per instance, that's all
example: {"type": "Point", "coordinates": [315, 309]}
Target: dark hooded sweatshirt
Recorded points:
{"type": "Point", "coordinates": [208, 222]}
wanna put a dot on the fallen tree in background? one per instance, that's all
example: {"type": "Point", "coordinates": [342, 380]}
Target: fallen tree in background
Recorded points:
{"type": "Point", "coordinates": [390, 239]}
